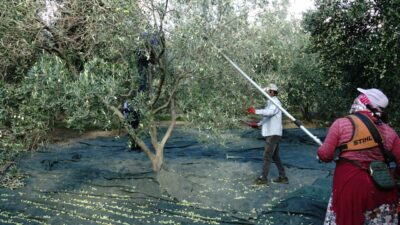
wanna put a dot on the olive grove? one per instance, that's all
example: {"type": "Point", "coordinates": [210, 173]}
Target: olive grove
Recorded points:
{"type": "Point", "coordinates": [78, 67]}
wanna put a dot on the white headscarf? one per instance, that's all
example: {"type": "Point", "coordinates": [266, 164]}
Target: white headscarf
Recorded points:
{"type": "Point", "coordinates": [373, 97]}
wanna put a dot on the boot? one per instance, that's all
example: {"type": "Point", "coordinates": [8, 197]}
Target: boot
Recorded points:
{"type": "Point", "coordinates": [260, 181]}
{"type": "Point", "coordinates": [283, 180]}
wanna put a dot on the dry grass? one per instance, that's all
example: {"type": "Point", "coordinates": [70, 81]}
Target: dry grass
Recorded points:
{"type": "Point", "coordinates": [289, 124]}
{"type": "Point", "coordinates": [67, 136]}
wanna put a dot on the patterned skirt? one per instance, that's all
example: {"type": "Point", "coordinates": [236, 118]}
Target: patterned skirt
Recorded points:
{"type": "Point", "coordinates": [355, 200]}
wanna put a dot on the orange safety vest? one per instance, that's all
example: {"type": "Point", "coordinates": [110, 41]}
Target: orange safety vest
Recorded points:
{"type": "Point", "coordinates": [361, 139]}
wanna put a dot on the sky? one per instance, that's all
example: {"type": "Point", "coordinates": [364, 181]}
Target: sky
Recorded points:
{"type": "Point", "coordinates": [300, 6]}
{"type": "Point", "coordinates": [296, 9]}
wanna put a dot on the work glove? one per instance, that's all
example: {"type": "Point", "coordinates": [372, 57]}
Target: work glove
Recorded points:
{"type": "Point", "coordinates": [251, 110]}
{"type": "Point", "coordinates": [253, 125]}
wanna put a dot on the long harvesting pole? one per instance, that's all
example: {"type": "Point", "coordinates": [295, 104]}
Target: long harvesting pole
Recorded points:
{"type": "Point", "coordinates": [294, 120]}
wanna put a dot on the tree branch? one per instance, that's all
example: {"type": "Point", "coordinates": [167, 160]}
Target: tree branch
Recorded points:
{"type": "Point", "coordinates": [130, 130]}
{"type": "Point", "coordinates": [171, 126]}
{"type": "Point", "coordinates": [175, 88]}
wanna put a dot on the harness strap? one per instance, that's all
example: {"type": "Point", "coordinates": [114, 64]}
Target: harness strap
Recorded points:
{"type": "Point", "coordinates": [361, 138]}
{"type": "Point", "coordinates": [377, 137]}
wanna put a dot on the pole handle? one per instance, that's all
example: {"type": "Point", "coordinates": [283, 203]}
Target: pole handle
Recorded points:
{"type": "Point", "coordinates": [298, 124]}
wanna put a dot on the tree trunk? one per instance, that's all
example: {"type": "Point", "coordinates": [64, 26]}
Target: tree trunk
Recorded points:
{"type": "Point", "coordinates": [305, 111]}
{"type": "Point", "coordinates": [158, 160]}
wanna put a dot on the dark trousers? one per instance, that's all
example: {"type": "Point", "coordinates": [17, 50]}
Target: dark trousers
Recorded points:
{"type": "Point", "coordinates": [271, 153]}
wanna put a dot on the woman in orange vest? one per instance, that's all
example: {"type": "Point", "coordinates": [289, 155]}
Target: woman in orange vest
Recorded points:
{"type": "Point", "coordinates": [355, 199]}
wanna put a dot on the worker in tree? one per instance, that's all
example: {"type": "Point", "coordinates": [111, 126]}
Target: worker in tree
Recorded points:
{"type": "Point", "coordinates": [132, 116]}
{"type": "Point", "coordinates": [144, 57]}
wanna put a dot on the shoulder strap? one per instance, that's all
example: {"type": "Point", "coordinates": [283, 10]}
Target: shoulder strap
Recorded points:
{"type": "Point", "coordinates": [376, 135]}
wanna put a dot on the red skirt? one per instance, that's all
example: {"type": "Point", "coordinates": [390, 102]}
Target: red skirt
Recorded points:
{"type": "Point", "coordinates": [356, 200]}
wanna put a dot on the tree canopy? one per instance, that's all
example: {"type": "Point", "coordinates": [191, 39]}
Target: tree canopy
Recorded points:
{"type": "Point", "coordinates": [358, 43]}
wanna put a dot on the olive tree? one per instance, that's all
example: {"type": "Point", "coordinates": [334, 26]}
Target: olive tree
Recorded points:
{"type": "Point", "coordinates": [43, 55]}
{"type": "Point", "coordinates": [358, 45]}
{"type": "Point", "coordinates": [90, 58]}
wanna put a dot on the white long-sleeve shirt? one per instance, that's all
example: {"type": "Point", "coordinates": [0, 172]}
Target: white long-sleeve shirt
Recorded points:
{"type": "Point", "coordinates": [272, 118]}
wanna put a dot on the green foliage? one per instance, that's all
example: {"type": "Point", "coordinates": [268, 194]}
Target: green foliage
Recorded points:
{"type": "Point", "coordinates": [268, 49]}
{"type": "Point", "coordinates": [13, 178]}
{"type": "Point", "coordinates": [49, 95]}
{"type": "Point", "coordinates": [18, 30]}
{"type": "Point", "coordinates": [32, 106]}
{"type": "Point", "coordinates": [358, 44]}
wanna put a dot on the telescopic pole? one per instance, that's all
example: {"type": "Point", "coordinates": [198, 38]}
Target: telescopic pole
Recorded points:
{"type": "Point", "coordinates": [294, 120]}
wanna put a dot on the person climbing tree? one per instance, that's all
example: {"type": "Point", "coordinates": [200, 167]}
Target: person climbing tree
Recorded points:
{"type": "Point", "coordinates": [144, 57]}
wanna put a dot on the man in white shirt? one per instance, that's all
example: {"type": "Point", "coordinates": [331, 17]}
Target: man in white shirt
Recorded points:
{"type": "Point", "coordinates": [271, 129]}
